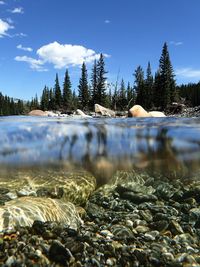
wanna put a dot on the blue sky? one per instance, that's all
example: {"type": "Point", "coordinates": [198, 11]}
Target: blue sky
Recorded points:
{"type": "Point", "coordinates": [39, 38]}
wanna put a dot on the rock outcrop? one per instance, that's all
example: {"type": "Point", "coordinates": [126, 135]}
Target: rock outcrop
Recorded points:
{"type": "Point", "coordinates": [104, 111]}
{"type": "Point", "coordinates": [139, 111]}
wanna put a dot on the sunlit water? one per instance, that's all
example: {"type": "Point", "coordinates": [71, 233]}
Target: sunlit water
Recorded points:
{"type": "Point", "coordinates": [73, 154]}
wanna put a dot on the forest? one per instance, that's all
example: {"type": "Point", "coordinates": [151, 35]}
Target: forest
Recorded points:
{"type": "Point", "coordinates": [152, 91]}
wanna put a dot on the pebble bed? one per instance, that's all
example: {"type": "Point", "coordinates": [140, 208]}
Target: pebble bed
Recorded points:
{"type": "Point", "coordinates": [154, 224]}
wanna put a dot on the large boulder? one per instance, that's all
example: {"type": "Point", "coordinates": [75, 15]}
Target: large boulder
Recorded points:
{"type": "Point", "coordinates": [37, 112]}
{"type": "Point", "coordinates": [104, 111]}
{"type": "Point", "coordinates": [139, 111]}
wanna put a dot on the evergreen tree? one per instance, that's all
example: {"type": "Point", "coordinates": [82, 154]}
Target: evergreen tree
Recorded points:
{"type": "Point", "coordinates": [122, 102]}
{"type": "Point", "coordinates": [35, 103]}
{"type": "Point", "coordinates": [190, 93]}
{"type": "Point", "coordinates": [58, 95]}
{"type": "Point", "coordinates": [20, 107]}
{"type": "Point", "coordinates": [101, 81]}
{"type": "Point", "coordinates": [167, 80]}
{"type": "Point", "coordinates": [94, 82]}
{"type": "Point", "coordinates": [157, 90]}
{"type": "Point", "coordinates": [83, 89]}
{"type": "Point", "coordinates": [67, 93]}
{"type": "Point", "coordinates": [130, 96]}
{"type": "Point", "coordinates": [139, 86]}
{"type": "Point", "coordinates": [115, 98]}
{"type": "Point", "coordinates": [149, 88]}
{"type": "Point", "coordinates": [109, 99]}
{"type": "Point", "coordinates": [51, 105]}
{"type": "Point", "coordinates": [44, 103]}
{"type": "Point", "coordinates": [75, 101]}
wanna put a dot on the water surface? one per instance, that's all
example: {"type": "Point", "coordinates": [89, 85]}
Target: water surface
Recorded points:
{"type": "Point", "coordinates": [102, 145]}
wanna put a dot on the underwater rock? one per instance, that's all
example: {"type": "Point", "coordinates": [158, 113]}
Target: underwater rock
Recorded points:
{"type": "Point", "coordinates": [121, 231]}
{"type": "Point", "coordinates": [138, 197]}
{"type": "Point", "coordinates": [194, 217]}
{"type": "Point", "coordinates": [60, 254]}
{"type": "Point", "coordinates": [75, 187]}
{"type": "Point", "coordinates": [25, 210]}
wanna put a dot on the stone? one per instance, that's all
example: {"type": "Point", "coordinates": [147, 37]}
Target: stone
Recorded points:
{"type": "Point", "coordinates": [60, 254]}
{"type": "Point", "coordinates": [81, 113]}
{"type": "Point", "coordinates": [121, 231]}
{"type": "Point", "coordinates": [37, 112]}
{"type": "Point", "coordinates": [104, 111]}
{"type": "Point", "coordinates": [139, 111]}
{"type": "Point", "coordinates": [157, 114]}
{"type": "Point", "coordinates": [24, 211]}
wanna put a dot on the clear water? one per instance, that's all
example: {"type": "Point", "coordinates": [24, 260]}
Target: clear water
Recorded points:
{"type": "Point", "coordinates": [50, 165]}
{"type": "Point", "coordinates": [102, 146]}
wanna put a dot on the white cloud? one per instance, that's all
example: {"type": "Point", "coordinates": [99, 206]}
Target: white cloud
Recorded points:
{"type": "Point", "coordinates": [188, 73]}
{"type": "Point", "coordinates": [17, 10]}
{"type": "Point", "coordinates": [64, 55]}
{"type": "Point", "coordinates": [28, 49]}
{"type": "Point", "coordinates": [107, 21]}
{"type": "Point", "coordinates": [4, 27]}
{"type": "Point", "coordinates": [9, 20]}
{"type": "Point", "coordinates": [21, 34]}
{"type": "Point", "coordinates": [2, 3]}
{"type": "Point", "coordinates": [35, 64]}
{"type": "Point", "coordinates": [176, 43]}
{"type": "Point", "coordinates": [60, 56]}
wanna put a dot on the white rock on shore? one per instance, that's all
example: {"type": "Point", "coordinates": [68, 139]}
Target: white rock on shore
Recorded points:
{"type": "Point", "coordinates": [139, 111]}
{"type": "Point", "coordinates": [82, 114]}
{"type": "Point", "coordinates": [104, 111]}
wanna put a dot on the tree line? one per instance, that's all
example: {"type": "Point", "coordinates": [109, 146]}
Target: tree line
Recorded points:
{"type": "Point", "coordinates": [156, 91]}
{"type": "Point", "coordinates": [9, 106]}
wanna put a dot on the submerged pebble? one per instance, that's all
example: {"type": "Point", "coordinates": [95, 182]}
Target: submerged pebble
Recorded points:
{"type": "Point", "coordinates": [152, 230]}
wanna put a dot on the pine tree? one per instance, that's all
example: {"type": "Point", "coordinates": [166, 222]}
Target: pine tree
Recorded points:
{"type": "Point", "coordinates": [101, 81]}
{"type": "Point", "coordinates": [122, 102]}
{"type": "Point", "coordinates": [157, 90]}
{"type": "Point", "coordinates": [167, 80]}
{"type": "Point", "coordinates": [139, 85]}
{"type": "Point", "coordinates": [34, 103]}
{"type": "Point", "coordinates": [94, 96]}
{"type": "Point", "coordinates": [109, 99]}
{"type": "Point", "coordinates": [67, 93]}
{"type": "Point", "coordinates": [130, 96]}
{"type": "Point", "coordinates": [83, 89]}
{"type": "Point", "coordinates": [149, 88]}
{"type": "Point", "coordinates": [51, 105]}
{"type": "Point", "coordinates": [44, 103]}
{"type": "Point", "coordinates": [58, 95]}
{"type": "Point", "coordinates": [75, 101]}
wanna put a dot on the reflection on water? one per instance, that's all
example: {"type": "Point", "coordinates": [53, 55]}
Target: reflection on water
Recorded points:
{"type": "Point", "coordinates": [102, 146]}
